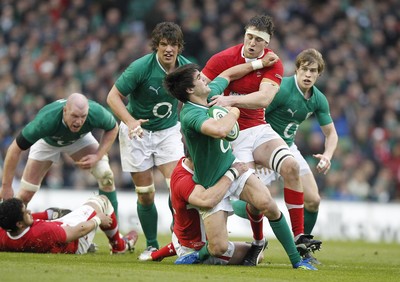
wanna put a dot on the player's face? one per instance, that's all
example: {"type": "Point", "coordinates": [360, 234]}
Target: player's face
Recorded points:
{"type": "Point", "coordinates": [200, 84]}
{"type": "Point", "coordinates": [307, 75]}
{"type": "Point", "coordinates": [27, 218]}
{"type": "Point", "coordinates": [75, 117]}
{"type": "Point", "coordinates": [167, 53]}
{"type": "Point", "coordinates": [253, 46]}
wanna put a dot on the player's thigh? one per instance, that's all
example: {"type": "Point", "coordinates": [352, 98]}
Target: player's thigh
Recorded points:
{"type": "Point", "coordinates": [168, 146]}
{"type": "Point", "coordinates": [143, 178]}
{"type": "Point", "coordinates": [88, 150]}
{"type": "Point", "coordinates": [258, 195]}
{"type": "Point", "coordinates": [168, 168]}
{"type": "Point", "coordinates": [35, 171]}
{"type": "Point", "coordinates": [84, 146]}
{"type": "Point", "coordinates": [216, 228]}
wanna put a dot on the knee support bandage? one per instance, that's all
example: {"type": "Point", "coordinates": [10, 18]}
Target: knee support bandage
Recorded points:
{"type": "Point", "coordinates": [278, 156]}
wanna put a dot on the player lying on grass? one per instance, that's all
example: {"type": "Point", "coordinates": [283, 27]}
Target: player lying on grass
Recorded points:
{"type": "Point", "coordinates": [70, 234]}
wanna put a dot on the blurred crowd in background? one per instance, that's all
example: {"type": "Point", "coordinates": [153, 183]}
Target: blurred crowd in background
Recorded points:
{"type": "Point", "coordinates": [50, 49]}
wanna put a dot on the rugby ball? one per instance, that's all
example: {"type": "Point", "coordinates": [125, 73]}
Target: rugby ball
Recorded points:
{"type": "Point", "coordinates": [218, 112]}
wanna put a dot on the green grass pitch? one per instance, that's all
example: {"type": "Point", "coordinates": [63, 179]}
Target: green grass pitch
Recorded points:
{"type": "Point", "coordinates": [342, 261]}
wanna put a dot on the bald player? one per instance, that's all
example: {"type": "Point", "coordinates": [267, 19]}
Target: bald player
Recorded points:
{"type": "Point", "coordinates": [63, 126]}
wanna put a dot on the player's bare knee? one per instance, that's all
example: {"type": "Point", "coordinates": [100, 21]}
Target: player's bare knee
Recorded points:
{"type": "Point", "coordinates": [270, 209]}
{"type": "Point", "coordinates": [104, 175]}
{"type": "Point", "coordinates": [290, 168]}
{"type": "Point", "coordinates": [312, 205]}
{"type": "Point", "coordinates": [217, 248]}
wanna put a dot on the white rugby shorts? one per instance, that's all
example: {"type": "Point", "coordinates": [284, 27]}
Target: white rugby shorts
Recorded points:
{"type": "Point", "coordinates": [304, 167]}
{"type": "Point", "coordinates": [234, 191]}
{"type": "Point", "coordinates": [42, 151]}
{"type": "Point", "coordinates": [154, 149]}
{"type": "Point", "coordinates": [249, 139]}
{"type": "Point", "coordinates": [75, 217]}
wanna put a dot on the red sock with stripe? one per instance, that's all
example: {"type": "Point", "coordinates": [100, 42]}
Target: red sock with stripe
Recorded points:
{"type": "Point", "coordinates": [256, 222]}
{"type": "Point", "coordinates": [294, 201]}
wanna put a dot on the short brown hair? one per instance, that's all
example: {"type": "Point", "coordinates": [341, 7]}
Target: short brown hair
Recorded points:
{"type": "Point", "coordinates": [169, 31]}
{"type": "Point", "coordinates": [310, 56]}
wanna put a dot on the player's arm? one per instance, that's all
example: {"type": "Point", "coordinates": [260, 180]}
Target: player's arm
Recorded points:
{"type": "Point", "coordinates": [331, 140]}
{"type": "Point", "coordinates": [108, 138]}
{"type": "Point", "coordinates": [117, 105]}
{"type": "Point", "coordinates": [10, 164]}
{"type": "Point", "coordinates": [209, 198]}
{"type": "Point", "coordinates": [106, 141]}
{"type": "Point", "coordinates": [255, 100]}
{"type": "Point", "coordinates": [83, 228]}
{"type": "Point", "coordinates": [220, 128]}
{"type": "Point", "coordinates": [241, 70]}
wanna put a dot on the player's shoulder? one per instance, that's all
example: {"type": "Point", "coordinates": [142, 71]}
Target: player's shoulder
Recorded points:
{"type": "Point", "coordinates": [182, 60]}
{"type": "Point", "coordinates": [234, 50]}
{"type": "Point", "coordinates": [143, 63]}
{"type": "Point", "coordinates": [288, 80]}
{"type": "Point", "coordinates": [318, 92]}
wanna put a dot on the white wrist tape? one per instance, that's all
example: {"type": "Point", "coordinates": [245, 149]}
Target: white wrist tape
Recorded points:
{"type": "Point", "coordinates": [96, 220]}
{"type": "Point", "coordinates": [230, 175]}
{"type": "Point", "coordinates": [234, 171]}
{"type": "Point", "coordinates": [257, 64]}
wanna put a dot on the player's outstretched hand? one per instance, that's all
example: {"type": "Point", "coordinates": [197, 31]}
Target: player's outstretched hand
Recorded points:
{"type": "Point", "coordinates": [324, 163]}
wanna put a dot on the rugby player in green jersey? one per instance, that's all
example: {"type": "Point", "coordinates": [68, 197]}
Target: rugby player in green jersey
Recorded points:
{"type": "Point", "coordinates": [63, 126]}
{"type": "Point", "coordinates": [298, 98]}
{"type": "Point", "coordinates": [212, 157]}
{"type": "Point", "coordinates": [149, 133]}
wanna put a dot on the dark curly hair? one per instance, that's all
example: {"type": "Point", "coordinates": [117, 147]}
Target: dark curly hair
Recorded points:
{"type": "Point", "coordinates": [177, 82]}
{"type": "Point", "coordinates": [262, 23]}
{"type": "Point", "coordinates": [169, 31]}
{"type": "Point", "coordinates": [10, 214]}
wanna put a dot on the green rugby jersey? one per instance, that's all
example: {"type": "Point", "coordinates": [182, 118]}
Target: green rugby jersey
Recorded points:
{"type": "Point", "coordinates": [142, 83]}
{"type": "Point", "coordinates": [289, 109]}
{"type": "Point", "coordinates": [49, 125]}
{"type": "Point", "coordinates": [211, 157]}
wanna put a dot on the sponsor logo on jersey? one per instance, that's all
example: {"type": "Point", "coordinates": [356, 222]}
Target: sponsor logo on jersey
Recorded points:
{"type": "Point", "coordinates": [154, 89]}
{"type": "Point", "coordinates": [291, 112]}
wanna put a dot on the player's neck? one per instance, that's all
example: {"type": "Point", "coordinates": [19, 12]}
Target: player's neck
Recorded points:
{"type": "Point", "coordinates": [199, 100]}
